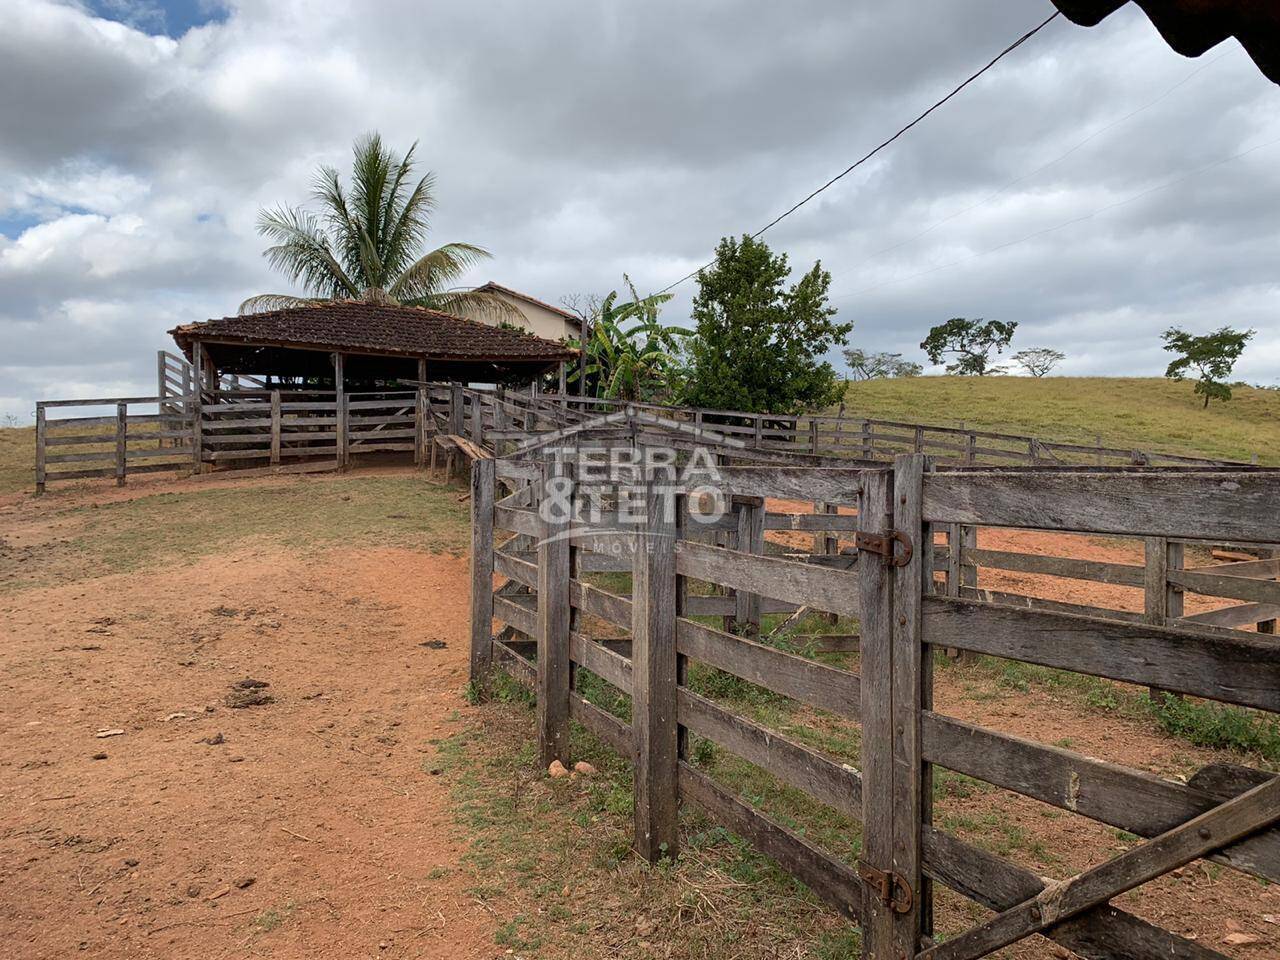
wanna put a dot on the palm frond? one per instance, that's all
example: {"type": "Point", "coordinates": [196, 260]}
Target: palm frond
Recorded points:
{"type": "Point", "coordinates": [435, 272]}
{"type": "Point", "coordinates": [302, 253]}
{"type": "Point", "coordinates": [264, 302]}
{"type": "Point", "coordinates": [468, 303]}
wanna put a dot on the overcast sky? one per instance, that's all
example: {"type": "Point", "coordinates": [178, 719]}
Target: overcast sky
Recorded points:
{"type": "Point", "coordinates": [1095, 187]}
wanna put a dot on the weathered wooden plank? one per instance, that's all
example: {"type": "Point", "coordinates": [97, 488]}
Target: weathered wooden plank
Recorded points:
{"type": "Point", "coordinates": [875, 516]}
{"type": "Point", "coordinates": [1242, 506]}
{"type": "Point", "coordinates": [1104, 933]}
{"type": "Point", "coordinates": [653, 694]}
{"type": "Point", "coordinates": [518, 520]}
{"type": "Point", "coordinates": [521, 615]}
{"type": "Point", "coordinates": [482, 604]}
{"type": "Point", "coordinates": [1236, 588]}
{"type": "Point", "coordinates": [1133, 800]}
{"type": "Point", "coordinates": [828, 781]}
{"type": "Point", "coordinates": [821, 686]}
{"type": "Point", "coordinates": [1242, 615]}
{"type": "Point", "coordinates": [1052, 606]}
{"type": "Point", "coordinates": [828, 484]}
{"type": "Point", "coordinates": [1256, 569]}
{"type": "Point", "coordinates": [912, 691]}
{"type": "Point", "coordinates": [553, 575]}
{"type": "Point", "coordinates": [831, 881]}
{"type": "Point", "coordinates": [1125, 574]}
{"type": "Point", "coordinates": [1232, 820]}
{"type": "Point", "coordinates": [834, 591]}
{"type": "Point", "coordinates": [1239, 669]}
{"type": "Point", "coordinates": [516, 569]}
{"type": "Point", "coordinates": [600, 660]}
{"type": "Point", "coordinates": [750, 514]}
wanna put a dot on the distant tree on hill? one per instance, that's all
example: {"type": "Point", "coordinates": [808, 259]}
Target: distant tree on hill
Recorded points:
{"type": "Point", "coordinates": [1211, 357]}
{"type": "Point", "coordinates": [759, 345]}
{"type": "Point", "coordinates": [879, 366]}
{"type": "Point", "coordinates": [970, 342]}
{"type": "Point", "coordinates": [1038, 361]}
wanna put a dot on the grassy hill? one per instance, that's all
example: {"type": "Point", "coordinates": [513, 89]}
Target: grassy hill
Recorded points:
{"type": "Point", "coordinates": [1147, 413]}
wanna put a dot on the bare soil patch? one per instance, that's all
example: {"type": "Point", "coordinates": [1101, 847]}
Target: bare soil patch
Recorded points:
{"type": "Point", "coordinates": [307, 823]}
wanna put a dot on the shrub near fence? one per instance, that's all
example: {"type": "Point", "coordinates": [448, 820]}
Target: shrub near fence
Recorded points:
{"type": "Point", "coordinates": [558, 628]}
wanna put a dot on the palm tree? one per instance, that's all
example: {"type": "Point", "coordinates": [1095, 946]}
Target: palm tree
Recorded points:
{"type": "Point", "coordinates": [366, 243]}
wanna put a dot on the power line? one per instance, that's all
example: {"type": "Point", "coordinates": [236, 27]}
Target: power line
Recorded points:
{"type": "Point", "coordinates": [1066, 223]}
{"type": "Point", "coordinates": [853, 166]}
{"type": "Point", "coordinates": [1027, 176]}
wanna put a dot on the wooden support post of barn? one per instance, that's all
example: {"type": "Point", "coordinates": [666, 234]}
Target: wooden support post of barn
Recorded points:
{"type": "Point", "coordinates": [1162, 600]}
{"type": "Point", "coordinates": [340, 409]}
{"type": "Point", "coordinates": [421, 415]}
{"type": "Point", "coordinates": [275, 427]}
{"type": "Point", "coordinates": [482, 497]}
{"type": "Point", "coordinates": [197, 408]}
{"type": "Point", "coordinates": [654, 676]}
{"type": "Point", "coordinates": [553, 617]}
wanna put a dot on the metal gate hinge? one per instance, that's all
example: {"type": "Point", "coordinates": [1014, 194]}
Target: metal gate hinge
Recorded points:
{"type": "Point", "coordinates": [894, 892]}
{"type": "Point", "coordinates": [882, 545]}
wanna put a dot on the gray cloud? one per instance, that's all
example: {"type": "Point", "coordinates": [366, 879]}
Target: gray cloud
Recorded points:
{"type": "Point", "coordinates": [578, 142]}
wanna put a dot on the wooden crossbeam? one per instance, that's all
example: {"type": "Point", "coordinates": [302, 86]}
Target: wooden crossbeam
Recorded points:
{"type": "Point", "coordinates": [1246, 814]}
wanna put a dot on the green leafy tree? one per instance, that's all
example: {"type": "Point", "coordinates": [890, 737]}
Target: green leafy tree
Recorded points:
{"type": "Point", "coordinates": [365, 242]}
{"type": "Point", "coordinates": [1038, 361]}
{"type": "Point", "coordinates": [1210, 357]}
{"type": "Point", "coordinates": [759, 345]}
{"type": "Point", "coordinates": [879, 366]}
{"type": "Point", "coordinates": [970, 342]}
{"type": "Point", "coordinates": [628, 353]}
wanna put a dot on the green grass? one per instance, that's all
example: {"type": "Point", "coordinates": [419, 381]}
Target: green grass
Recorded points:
{"type": "Point", "coordinates": [1147, 413]}
{"type": "Point", "coordinates": [17, 459]}
{"type": "Point", "coordinates": [552, 860]}
{"type": "Point", "coordinates": [300, 513]}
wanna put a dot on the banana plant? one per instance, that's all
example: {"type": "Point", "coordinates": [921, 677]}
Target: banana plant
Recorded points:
{"type": "Point", "coordinates": [628, 354]}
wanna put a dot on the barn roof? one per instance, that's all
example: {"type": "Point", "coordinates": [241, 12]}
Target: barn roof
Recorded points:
{"type": "Point", "coordinates": [1193, 26]}
{"type": "Point", "coordinates": [359, 327]}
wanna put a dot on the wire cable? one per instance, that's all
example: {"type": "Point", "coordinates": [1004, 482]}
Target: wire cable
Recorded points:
{"type": "Point", "coordinates": [901, 132]}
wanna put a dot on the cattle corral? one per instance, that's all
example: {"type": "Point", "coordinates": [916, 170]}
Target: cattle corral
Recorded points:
{"type": "Point", "coordinates": [910, 596]}
{"type": "Point", "coordinates": [756, 705]}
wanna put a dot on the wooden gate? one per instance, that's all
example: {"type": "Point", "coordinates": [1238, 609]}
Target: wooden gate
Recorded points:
{"type": "Point", "coordinates": [911, 597]}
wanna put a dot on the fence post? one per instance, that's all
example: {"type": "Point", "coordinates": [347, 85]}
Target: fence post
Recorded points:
{"type": "Point", "coordinates": [654, 676]}
{"type": "Point", "coordinates": [197, 407]}
{"type": "Point", "coordinates": [971, 449]}
{"type": "Point", "coordinates": [482, 493]}
{"type": "Point", "coordinates": [553, 617]}
{"type": "Point", "coordinates": [813, 436]}
{"type": "Point", "coordinates": [759, 430]}
{"type": "Point", "coordinates": [912, 665]}
{"type": "Point", "coordinates": [275, 427]}
{"type": "Point", "coordinates": [340, 409]}
{"type": "Point", "coordinates": [747, 606]}
{"type": "Point", "coordinates": [421, 413]}
{"type": "Point", "coordinates": [868, 450]}
{"type": "Point", "coordinates": [122, 432]}
{"type": "Point", "coordinates": [477, 418]}
{"type": "Point", "coordinates": [42, 429]}
{"type": "Point", "coordinates": [455, 409]}
{"type": "Point", "coordinates": [875, 595]}
{"type": "Point", "coordinates": [162, 393]}
{"type": "Point", "coordinates": [1162, 601]}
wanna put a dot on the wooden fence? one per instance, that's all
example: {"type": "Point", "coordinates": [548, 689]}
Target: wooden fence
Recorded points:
{"type": "Point", "coordinates": [910, 596]}
{"type": "Point", "coordinates": [247, 425]}
{"type": "Point", "coordinates": [107, 440]}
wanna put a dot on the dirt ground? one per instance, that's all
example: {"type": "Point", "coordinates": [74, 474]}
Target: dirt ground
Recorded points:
{"type": "Point", "coordinates": [316, 824]}
{"type": "Point", "coordinates": [308, 826]}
